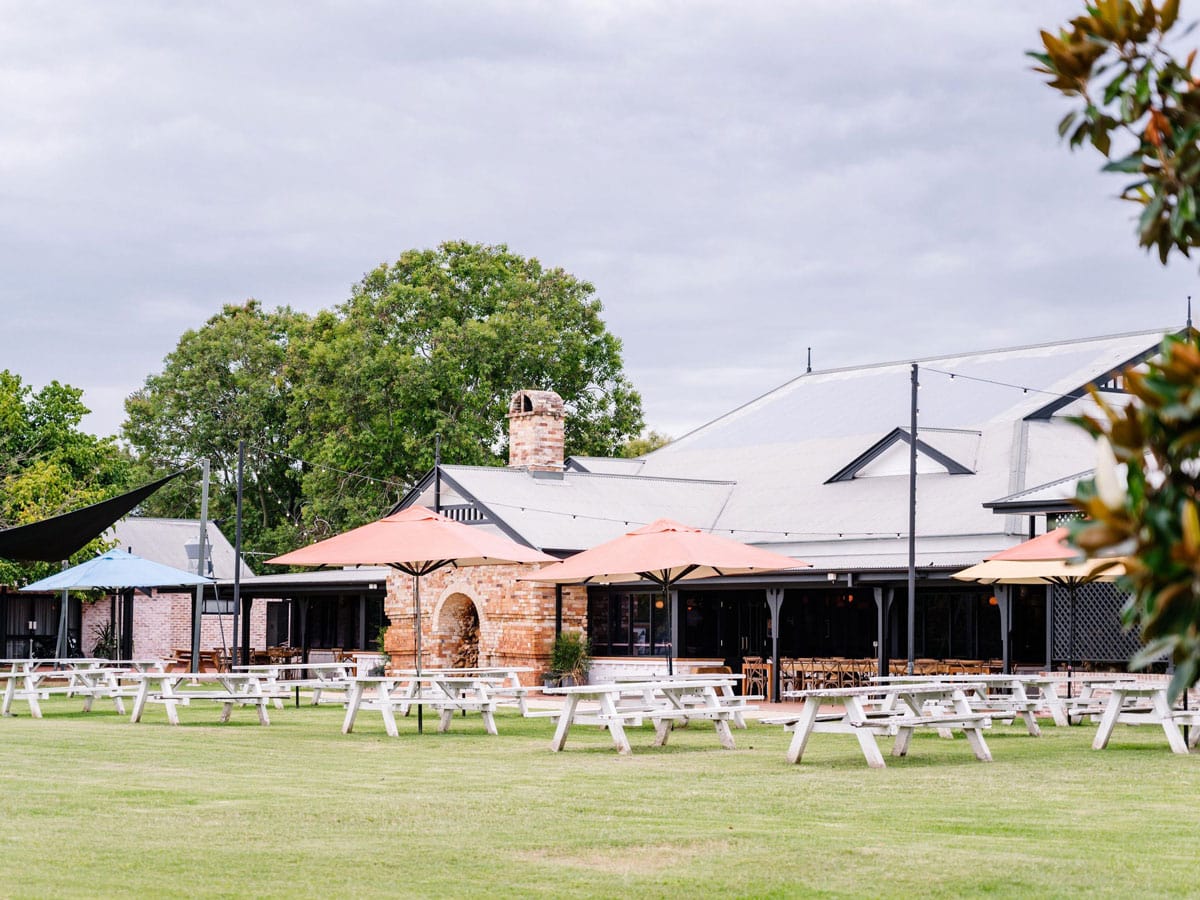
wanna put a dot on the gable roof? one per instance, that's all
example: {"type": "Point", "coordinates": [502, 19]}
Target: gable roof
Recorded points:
{"type": "Point", "coordinates": [167, 541]}
{"type": "Point", "coordinates": [572, 510]}
{"type": "Point", "coordinates": [1053, 497]}
{"type": "Point", "coordinates": [991, 424]}
{"type": "Point", "coordinates": [929, 458]}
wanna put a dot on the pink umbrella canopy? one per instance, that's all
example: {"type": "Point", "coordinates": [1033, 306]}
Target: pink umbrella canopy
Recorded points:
{"type": "Point", "coordinates": [1045, 559]}
{"type": "Point", "coordinates": [416, 541]}
{"type": "Point", "coordinates": [1051, 545]}
{"type": "Point", "coordinates": [665, 553]}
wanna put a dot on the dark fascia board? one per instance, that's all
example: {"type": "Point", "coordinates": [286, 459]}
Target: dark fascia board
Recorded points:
{"type": "Point", "coordinates": [411, 497]}
{"type": "Point", "coordinates": [1030, 507]}
{"type": "Point", "coordinates": [1099, 382]}
{"type": "Point", "coordinates": [489, 515]}
{"type": "Point", "coordinates": [897, 435]}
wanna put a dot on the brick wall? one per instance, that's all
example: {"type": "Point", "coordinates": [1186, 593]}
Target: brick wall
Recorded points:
{"type": "Point", "coordinates": [164, 622]}
{"type": "Point", "coordinates": [516, 618]}
{"type": "Point", "coordinates": [535, 431]}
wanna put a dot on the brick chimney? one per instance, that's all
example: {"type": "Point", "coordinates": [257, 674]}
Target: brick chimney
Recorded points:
{"type": "Point", "coordinates": [535, 431]}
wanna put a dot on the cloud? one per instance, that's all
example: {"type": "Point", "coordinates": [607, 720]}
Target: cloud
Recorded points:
{"type": "Point", "coordinates": [740, 182]}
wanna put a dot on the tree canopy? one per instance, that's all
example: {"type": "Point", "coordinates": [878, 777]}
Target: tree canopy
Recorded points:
{"type": "Point", "coordinates": [1141, 105]}
{"type": "Point", "coordinates": [48, 465]}
{"type": "Point", "coordinates": [1140, 110]}
{"type": "Point", "coordinates": [340, 410]}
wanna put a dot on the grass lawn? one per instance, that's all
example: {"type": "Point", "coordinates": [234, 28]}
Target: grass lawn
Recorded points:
{"type": "Point", "coordinates": [94, 806]}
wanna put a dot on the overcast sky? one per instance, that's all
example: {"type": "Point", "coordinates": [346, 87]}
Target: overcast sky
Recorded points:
{"type": "Point", "coordinates": [741, 181]}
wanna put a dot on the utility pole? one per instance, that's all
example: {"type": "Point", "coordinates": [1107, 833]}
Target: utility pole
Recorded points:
{"type": "Point", "coordinates": [912, 526]}
{"type": "Point", "coordinates": [201, 569]}
{"type": "Point", "coordinates": [237, 552]}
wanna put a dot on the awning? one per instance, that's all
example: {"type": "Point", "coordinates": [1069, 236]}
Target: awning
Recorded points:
{"type": "Point", "coordinates": [57, 538]}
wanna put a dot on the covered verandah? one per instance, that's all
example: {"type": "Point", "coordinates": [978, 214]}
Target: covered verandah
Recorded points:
{"type": "Point", "coordinates": [321, 614]}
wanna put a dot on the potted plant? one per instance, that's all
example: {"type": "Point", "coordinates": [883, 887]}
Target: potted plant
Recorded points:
{"type": "Point", "coordinates": [378, 665]}
{"type": "Point", "coordinates": [570, 658]}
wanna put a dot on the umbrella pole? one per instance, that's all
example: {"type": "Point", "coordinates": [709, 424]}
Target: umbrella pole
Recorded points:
{"type": "Point", "coordinates": [670, 636]}
{"type": "Point", "coordinates": [417, 619]}
{"type": "Point", "coordinates": [1071, 642]}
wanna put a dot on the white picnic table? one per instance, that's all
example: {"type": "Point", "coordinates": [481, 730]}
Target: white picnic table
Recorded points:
{"type": "Point", "coordinates": [662, 701]}
{"type": "Point", "coordinates": [320, 678]}
{"type": "Point", "coordinates": [981, 691]}
{"type": "Point", "coordinates": [1133, 703]}
{"type": "Point", "coordinates": [895, 710]}
{"type": "Point", "coordinates": [26, 680]}
{"type": "Point", "coordinates": [230, 689]}
{"type": "Point", "coordinates": [506, 687]}
{"type": "Point", "coordinates": [445, 691]}
{"type": "Point", "coordinates": [739, 703]}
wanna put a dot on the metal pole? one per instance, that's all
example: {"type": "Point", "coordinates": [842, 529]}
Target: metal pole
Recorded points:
{"type": "Point", "coordinates": [237, 550]}
{"type": "Point", "coordinates": [670, 635]}
{"type": "Point", "coordinates": [417, 614]}
{"type": "Point", "coordinates": [774, 606]}
{"type": "Point", "coordinates": [198, 603]}
{"type": "Point", "coordinates": [882, 603]}
{"type": "Point", "coordinates": [60, 645]}
{"type": "Point", "coordinates": [912, 527]}
{"type": "Point", "coordinates": [1071, 642]}
{"type": "Point", "coordinates": [437, 473]}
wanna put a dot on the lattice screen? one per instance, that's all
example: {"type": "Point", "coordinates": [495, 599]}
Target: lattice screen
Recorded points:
{"type": "Point", "coordinates": [1099, 635]}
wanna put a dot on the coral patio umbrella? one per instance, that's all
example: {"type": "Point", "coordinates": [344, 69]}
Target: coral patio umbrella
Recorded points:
{"type": "Point", "coordinates": [1046, 559]}
{"type": "Point", "coordinates": [665, 553]}
{"type": "Point", "coordinates": [416, 541]}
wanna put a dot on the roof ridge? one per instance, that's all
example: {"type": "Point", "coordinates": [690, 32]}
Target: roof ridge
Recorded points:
{"type": "Point", "coordinates": [574, 474]}
{"type": "Point", "coordinates": [902, 362]}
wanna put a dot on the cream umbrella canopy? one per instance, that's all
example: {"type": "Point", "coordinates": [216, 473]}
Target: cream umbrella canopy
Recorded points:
{"type": "Point", "coordinates": [1046, 559]}
{"type": "Point", "coordinates": [415, 541]}
{"type": "Point", "coordinates": [665, 553]}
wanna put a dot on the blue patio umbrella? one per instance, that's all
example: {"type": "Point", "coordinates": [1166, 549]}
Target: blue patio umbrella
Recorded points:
{"type": "Point", "coordinates": [117, 570]}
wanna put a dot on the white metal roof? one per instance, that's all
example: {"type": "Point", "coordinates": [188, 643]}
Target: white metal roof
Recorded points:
{"type": "Point", "coordinates": [166, 541]}
{"type": "Point", "coordinates": [761, 472]}
{"type": "Point", "coordinates": [576, 510]}
{"type": "Point", "coordinates": [784, 446]}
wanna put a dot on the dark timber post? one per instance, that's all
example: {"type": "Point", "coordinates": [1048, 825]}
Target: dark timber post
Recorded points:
{"type": "Point", "coordinates": [437, 473]}
{"type": "Point", "coordinates": [201, 569]}
{"type": "Point", "coordinates": [774, 603]}
{"type": "Point", "coordinates": [912, 527]}
{"type": "Point", "coordinates": [883, 605]}
{"type": "Point", "coordinates": [557, 610]}
{"type": "Point", "coordinates": [1004, 596]}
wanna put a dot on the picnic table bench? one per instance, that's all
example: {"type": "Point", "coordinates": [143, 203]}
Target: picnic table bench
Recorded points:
{"type": "Point", "coordinates": [1131, 703]}
{"type": "Point", "coordinates": [505, 682]}
{"type": "Point", "coordinates": [400, 692]}
{"type": "Point", "coordinates": [31, 683]}
{"type": "Point", "coordinates": [319, 678]}
{"type": "Point", "coordinates": [663, 702]}
{"type": "Point", "coordinates": [230, 689]}
{"type": "Point", "coordinates": [1004, 697]}
{"type": "Point", "coordinates": [877, 711]}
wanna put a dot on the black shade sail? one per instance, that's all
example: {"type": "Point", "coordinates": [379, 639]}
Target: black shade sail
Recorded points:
{"type": "Point", "coordinates": [55, 539]}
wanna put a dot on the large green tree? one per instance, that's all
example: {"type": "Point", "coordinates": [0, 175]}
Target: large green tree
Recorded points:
{"type": "Point", "coordinates": [48, 465]}
{"type": "Point", "coordinates": [223, 383]}
{"type": "Point", "coordinates": [436, 344]}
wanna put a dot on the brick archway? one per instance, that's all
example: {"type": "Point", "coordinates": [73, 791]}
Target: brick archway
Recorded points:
{"type": "Point", "coordinates": [457, 623]}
